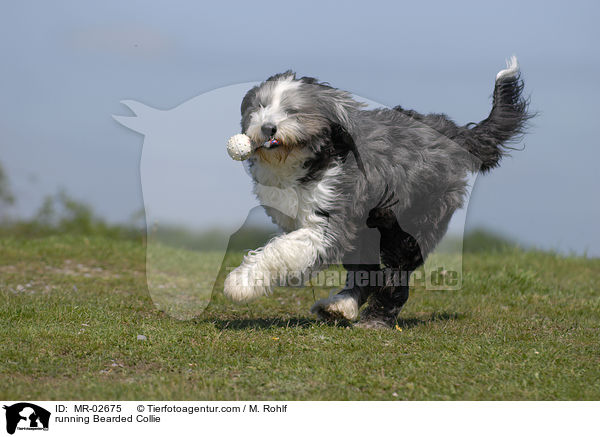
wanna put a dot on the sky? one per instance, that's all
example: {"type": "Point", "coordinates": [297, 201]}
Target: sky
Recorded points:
{"type": "Point", "coordinates": [68, 65]}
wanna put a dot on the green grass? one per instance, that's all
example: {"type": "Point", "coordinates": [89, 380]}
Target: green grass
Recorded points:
{"type": "Point", "coordinates": [526, 325]}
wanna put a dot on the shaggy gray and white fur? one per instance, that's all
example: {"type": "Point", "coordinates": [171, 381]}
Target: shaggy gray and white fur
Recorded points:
{"type": "Point", "coordinates": [360, 187]}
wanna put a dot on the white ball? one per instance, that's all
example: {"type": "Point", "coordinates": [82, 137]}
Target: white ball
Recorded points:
{"type": "Point", "coordinates": [239, 147]}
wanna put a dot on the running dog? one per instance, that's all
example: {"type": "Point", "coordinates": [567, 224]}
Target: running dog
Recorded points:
{"type": "Point", "coordinates": [367, 187]}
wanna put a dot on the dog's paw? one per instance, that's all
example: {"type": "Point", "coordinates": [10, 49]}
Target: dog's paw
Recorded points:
{"type": "Point", "coordinates": [373, 324]}
{"type": "Point", "coordinates": [337, 307]}
{"type": "Point", "coordinates": [240, 286]}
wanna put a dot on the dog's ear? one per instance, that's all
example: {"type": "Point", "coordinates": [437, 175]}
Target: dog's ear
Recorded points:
{"type": "Point", "coordinates": [336, 105]}
{"type": "Point", "coordinates": [339, 107]}
{"type": "Point", "coordinates": [248, 99]}
{"type": "Point", "coordinates": [343, 143]}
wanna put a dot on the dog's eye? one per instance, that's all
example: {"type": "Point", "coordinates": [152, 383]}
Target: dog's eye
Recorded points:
{"type": "Point", "coordinates": [292, 111]}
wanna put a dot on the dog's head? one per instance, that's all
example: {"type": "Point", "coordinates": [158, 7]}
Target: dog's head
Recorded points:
{"type": "Point", "coordinates": [299, 114]}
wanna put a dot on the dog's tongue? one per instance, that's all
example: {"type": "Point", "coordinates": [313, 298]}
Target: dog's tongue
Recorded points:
{"type": "Point", "coordinates": [272, 143]}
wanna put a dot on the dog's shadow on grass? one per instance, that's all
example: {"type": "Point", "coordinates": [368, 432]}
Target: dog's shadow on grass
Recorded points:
{"type": "Point", "coordinates": [305, 322]}
{"type": "Point", "coordinates": [434, 317]}
{"type": "Point", "coordinates": [265, 323]}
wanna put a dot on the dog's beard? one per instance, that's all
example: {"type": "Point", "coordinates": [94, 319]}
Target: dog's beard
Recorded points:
{"type": "Point", "coordinates": [278, 154]}
{"type": "Point", "coordinates": [293, 135]}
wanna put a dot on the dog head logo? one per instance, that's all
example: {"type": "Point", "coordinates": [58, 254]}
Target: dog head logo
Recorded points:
{"type": "Point", "coordinates": [26, 416]}
{"type": "Point", "coordinates": [188, 179]}
{"type": "Point", "coordinates": [188, 183]}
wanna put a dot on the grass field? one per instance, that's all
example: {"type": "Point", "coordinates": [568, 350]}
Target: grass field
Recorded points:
{"type": "Point", "coordinates": [526, 325]}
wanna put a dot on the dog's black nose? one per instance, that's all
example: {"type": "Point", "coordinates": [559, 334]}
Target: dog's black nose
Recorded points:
{"type": "Point", "coordinates": [268, 129]}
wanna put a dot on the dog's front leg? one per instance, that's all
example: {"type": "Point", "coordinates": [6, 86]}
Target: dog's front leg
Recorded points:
{"type": "Point", "coordinates": [295, 253]}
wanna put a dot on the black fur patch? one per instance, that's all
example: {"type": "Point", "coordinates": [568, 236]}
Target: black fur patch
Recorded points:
{"type": "Point", "coordinates": [340, 144]}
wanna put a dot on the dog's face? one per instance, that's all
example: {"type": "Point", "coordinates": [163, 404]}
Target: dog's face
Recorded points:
{"type": "Point", "coordinates": [298, 114]}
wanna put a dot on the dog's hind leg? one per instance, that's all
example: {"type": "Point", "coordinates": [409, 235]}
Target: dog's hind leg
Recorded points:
{"type": "Point", "coordinates": [364, 275]}
{"type": "Point", "coordinates": [360, 284]}
{"type": "Point", "coordinates": [383, 307]}
{"type": "Point", "coordinates": [401, 255]}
